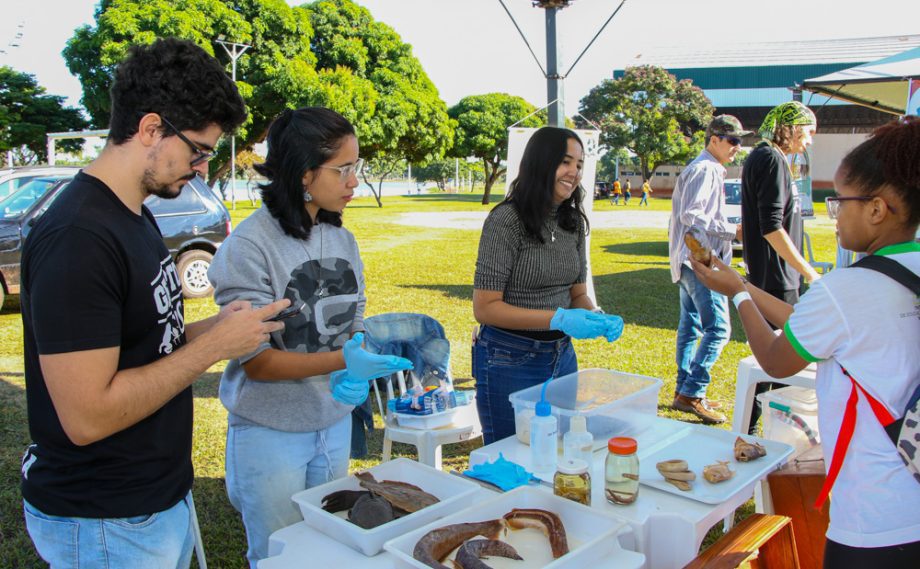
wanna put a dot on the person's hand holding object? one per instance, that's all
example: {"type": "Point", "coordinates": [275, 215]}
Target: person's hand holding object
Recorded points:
{"type": "Point", "coordinates": [584, 324]}
{"type": "Point", "coordinates": [363, 365]}
{"type": "Point", "coordinates": [718, 277]}
{"type": "Point", "coordinates": [348, 390]}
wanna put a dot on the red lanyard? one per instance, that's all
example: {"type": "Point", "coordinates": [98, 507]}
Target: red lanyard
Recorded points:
{"type": "Point", "coordinates": [846, 434]}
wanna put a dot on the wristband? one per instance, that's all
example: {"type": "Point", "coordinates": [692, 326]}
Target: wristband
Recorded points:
{"type": "Point", "coordinates": [740, 297]}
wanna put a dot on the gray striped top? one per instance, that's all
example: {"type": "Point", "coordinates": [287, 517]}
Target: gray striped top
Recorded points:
{"type": "Point", "coordinates": [530, 274]}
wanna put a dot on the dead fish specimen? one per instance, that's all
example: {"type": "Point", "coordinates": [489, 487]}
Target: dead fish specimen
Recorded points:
{"type": "Point", "coordinates": [371, 511]}
{"type": "Point", "coordinates": [745, 451]}
{"type": "Point", "coordinates": [402, 495]}
{"type": "Point", "coordinates": [470, 553]}
{"type": "Point", "coordinates": [342, 500]}
{"type": "Point", "coordinates": [718, 472]}
{"type": "Point", "coordinates": [438, 543]}
{"type": "Point", "coordinates": [547, 522]}
{"type": "Point", "coordinates": [677, 473]}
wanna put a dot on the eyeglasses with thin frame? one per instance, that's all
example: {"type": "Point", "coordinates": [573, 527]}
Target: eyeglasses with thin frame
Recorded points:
{"type": "Point", "coordinates": [833, 203]}
{"type": "Point", "coordinates": [733, 140]}
{"type": "Point", "coordinates": [345, 172]}
{"type": "Point", "coordinates": [201, 155]}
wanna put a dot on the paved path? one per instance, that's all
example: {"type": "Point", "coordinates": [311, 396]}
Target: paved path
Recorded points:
{"type": "Point", "coordinates": [475, 219]}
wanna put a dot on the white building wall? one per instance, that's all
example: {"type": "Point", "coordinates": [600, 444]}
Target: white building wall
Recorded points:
{"type": "Point", "coordinates": [827, 151]}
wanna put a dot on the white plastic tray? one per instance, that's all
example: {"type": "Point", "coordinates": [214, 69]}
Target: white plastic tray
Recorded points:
{"type": "Point", "coordinates": [591, 533]}
{"type": "Point", "coordinates": [700, 446]}
{"type": "Point", "coordinates": [450, 490]}
{"type": "Point", "coordinates": [432, 421]}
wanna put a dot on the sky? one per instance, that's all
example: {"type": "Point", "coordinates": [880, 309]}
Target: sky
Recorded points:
{"type": "Point", "coordinates": [471, 47]}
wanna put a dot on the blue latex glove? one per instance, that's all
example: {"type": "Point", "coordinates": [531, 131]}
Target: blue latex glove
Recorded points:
{"type": "Point", "coordinates": [346, 389]}
{"type": "Point", "coordinates": [363, 365]}
{"type": "Point", "coordinates": [503, 473]}
{"type": "Point", "coordinates": [614, 326]}
{"type": "Point", "coordinates": [579, 323]}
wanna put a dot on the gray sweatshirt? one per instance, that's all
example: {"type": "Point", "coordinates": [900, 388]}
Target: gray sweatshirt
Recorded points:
{"type": "Point", "coordinates": [261, 264]}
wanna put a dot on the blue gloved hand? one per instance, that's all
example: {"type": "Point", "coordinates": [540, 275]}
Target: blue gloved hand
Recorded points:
{"type": "Point", "coordinates": [365, 366]}
{"type": "Point", "coordinates": [579, 323]}
{"type": "Point", "coordinates": [614, 327]}
{"type": "Point", "coordinates": [346, 389]}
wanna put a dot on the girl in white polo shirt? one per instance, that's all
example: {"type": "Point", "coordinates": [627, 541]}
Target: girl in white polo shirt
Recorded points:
{"type": "Point", "coordinates": [867, 323]}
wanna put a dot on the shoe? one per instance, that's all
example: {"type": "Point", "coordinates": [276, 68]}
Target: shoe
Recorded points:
{"type": "Point", "coordinates": [709, 403]}
{"type": "Point", "coordinates": [697, 406]}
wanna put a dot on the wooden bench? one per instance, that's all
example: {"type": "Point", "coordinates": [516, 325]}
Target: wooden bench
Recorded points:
{"type": "Point", "coordinates": [763, 540]}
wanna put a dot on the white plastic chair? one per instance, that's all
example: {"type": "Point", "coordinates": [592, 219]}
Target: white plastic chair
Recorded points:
{"type": "Point", "coordinates": [822, 267]}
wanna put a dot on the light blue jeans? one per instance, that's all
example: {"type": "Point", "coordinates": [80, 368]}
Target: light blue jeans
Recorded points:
{"type": "Point", "coordinates": [704, 317]}
{"type": "Point", "coordinates": [265, 467]}
{"type": "Point", "coordinates": [162, 540]}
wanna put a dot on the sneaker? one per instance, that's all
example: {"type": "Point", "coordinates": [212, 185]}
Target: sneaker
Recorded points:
{"type": "Point", "coordinates": [697, 406]}
{"type": "Point", "coordinates": [709, 402]}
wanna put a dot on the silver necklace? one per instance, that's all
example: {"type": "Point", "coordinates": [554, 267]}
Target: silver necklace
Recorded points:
{"type": "Point", "coordinates": [322, 290]}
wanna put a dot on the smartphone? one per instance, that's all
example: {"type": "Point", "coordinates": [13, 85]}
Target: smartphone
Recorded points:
{"type": "Point", "coordinates": [292, 310]}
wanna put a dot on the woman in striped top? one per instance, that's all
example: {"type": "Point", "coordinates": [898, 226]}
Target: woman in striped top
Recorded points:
{"type": "Point", "coordinates": [530, 293]}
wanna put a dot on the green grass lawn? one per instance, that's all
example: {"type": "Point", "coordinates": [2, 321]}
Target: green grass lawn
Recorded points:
{"type": "Point", "coordinates": [409, 269]}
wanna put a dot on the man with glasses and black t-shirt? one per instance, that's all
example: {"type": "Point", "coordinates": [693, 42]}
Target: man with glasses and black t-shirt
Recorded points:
{"type": "Point", "coordinates": [697, 207]}
{"type": "Point", "coordinates": [109, 359]}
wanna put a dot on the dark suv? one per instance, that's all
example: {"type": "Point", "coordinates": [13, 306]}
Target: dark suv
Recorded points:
{"type": "Point", "coordinates": [193, 226]}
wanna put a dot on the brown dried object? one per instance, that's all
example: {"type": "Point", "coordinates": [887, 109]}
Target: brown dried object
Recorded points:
{"type": "Point", "coordinates": [547, 522]}
{"type": "Point", "coordinates": [718, 472]}
{"type": "Point", "coordinates": [697, 251]}
{"type": "Point", "coordinates": [746, 452]}
{"type": "Point", "coordinates": [677, 473]}
{"type": "Point", "coordinates": [434, 546]}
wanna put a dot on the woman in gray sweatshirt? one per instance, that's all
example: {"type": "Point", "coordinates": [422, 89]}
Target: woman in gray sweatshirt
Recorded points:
{"type": "Point", "coordinates": [289, 403]}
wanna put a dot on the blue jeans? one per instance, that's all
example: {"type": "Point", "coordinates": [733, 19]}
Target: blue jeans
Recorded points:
{"type": "Point", "coordinates": [703, 317]}
{"type": "Point", "coordinates": [265, 467]}
{"type": "Point", "coordinates": [162, 540]}
{"type": "Point", "coordinates": [504, 363]}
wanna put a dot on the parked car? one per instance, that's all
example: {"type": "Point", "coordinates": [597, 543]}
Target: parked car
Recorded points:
{"type": "Point", "coordinates": [601, 190]}
{"type": "Point", "coordinates": [11, 179]}
{"type": "Point", "coordinates": [193, 227]}
{"type": "Point", "coordinates": [732, 190]}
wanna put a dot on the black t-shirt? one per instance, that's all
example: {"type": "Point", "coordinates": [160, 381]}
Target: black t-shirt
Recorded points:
{"type": "Point", "coordinates": [768, 203]}
{"type": "Point", "coordinates": [96, 275]}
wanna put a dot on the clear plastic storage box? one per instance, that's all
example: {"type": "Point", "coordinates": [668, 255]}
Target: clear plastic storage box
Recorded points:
{"type": "Point", "coordinates": [614, 403]}
{"type": "Point", "coordinates": [790, 415]}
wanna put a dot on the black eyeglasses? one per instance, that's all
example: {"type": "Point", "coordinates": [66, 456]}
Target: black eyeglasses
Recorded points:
{"type": "Point", "coordinates": [733, 140]}
{"type": "Point", "coordinates": [833, 203]}
{"type": "Point", "coordinates": [201, 155]}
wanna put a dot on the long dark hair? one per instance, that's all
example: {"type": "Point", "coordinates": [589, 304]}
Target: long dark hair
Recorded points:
{"type": "Point", "coordinates": [299, 141]}
{"type": "Point", "coordinates": [890, 157]}
{"type": "Point", "coordinates": [531, 193]}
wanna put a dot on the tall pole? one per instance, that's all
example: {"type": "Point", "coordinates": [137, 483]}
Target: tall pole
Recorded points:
{"type": "Point", "coordinates": [235, 51]}
{"type": "Point", "coordinates": [554, 79]}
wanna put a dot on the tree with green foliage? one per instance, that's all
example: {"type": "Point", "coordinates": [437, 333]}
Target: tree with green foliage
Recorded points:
{"type": "Point", "coordinates": [648, 111]}
{"type": "Point", "coordinates": [329, 53]}
{"type": "Point", "coordinates": [28, 113]}
{"type": "Point", "coordinates": [482, 130]}
{"type": "Point", "coordinates": [437, 171]}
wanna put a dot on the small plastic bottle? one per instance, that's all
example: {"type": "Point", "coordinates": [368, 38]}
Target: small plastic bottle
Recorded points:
{"type": "Point", "coordinates": [573, 481]}
{"type": "Point", "coordinates": [621, 471]}
{"type": "Point", "coordinates": [543, 443]}
{"type": "Point", "coordinates": [578, 442]}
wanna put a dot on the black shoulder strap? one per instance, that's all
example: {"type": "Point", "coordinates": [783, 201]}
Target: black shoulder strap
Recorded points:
{"type": "Point", "coordinates": [891, 268]}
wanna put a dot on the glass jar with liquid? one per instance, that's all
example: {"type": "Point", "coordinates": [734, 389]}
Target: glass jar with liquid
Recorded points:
{"type": "Point", "coordinates": [621, 471]}
{"type": "Point", "coordinates": [573, 481]}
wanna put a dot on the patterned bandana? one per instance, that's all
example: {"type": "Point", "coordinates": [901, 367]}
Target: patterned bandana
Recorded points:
{"type": "Point", "coordinates": [788, 114]}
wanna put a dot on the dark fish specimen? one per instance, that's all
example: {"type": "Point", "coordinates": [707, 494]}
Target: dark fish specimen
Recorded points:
{"type": "Point", "coordinates": [547, 522]}
{"type": "Point", "coordinates": [436, 544]}
{"type": "Point", "coordinates": [402, 495]}
{"type": "Point", "coordinates": [342, 500]}
{"type": "Point", "coordinates": [371, 511]}
{"type": "Point", "coordinates": [470, 553]}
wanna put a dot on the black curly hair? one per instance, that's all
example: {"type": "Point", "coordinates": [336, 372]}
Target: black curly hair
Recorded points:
{"type": "Point", "coordinates": [299, 141]}
{"type": "Point", "coordinates": [175, 79]}
{"type": "Point", "coordinates": [531, 193]}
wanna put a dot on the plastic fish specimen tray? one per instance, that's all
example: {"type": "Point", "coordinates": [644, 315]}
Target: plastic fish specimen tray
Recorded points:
{"type": "Point", "coordinates": [450, 490]}
{"type": "Point", "coordinates": [592, 535]}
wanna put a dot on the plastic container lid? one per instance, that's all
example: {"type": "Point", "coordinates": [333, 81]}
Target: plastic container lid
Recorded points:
{"type": "Point", "coordinates": [577, 424]}
{"type": "Point", "coordinates": [622, 445]}
{"type": "Point", "coordinates": [572, 466]}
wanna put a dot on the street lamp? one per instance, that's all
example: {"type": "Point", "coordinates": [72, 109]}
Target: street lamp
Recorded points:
{"type": "Point", "coordinates": [235, 51]}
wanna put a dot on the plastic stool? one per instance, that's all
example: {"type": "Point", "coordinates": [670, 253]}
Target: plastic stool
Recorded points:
{"type": "Point", "coordinates": [429, 441]}
{"type": "Point", "coordinates": [749, 375]}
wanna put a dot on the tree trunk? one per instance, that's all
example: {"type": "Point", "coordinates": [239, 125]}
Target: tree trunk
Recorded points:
{"type": "Point", "coordinates": [646, 173]}
{"type": "Point", "coordinates": [492, 173]}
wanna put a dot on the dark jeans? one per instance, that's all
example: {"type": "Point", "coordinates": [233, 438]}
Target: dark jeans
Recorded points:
{"type": "Point", "coordinates": [503, 363]}
{"type": "Point", "coordinates": [839, 556]}
{"type": "Point", "coordinates": [791, 297]}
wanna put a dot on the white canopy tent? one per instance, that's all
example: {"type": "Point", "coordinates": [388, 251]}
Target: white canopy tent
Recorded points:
{"type": "Point", "coordinates": [885, 85]}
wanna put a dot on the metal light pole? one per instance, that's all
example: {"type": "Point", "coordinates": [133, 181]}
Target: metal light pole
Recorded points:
{"type": "Point", "coordinates": [554, 95]}
{"type": "Point", "coordinates": [235, 51]}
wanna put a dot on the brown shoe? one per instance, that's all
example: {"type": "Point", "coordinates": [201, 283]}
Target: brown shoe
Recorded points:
{"type": "Point", "coordinates": [698, 407]}
{"type": "Point", "coordinates": [709, 402]}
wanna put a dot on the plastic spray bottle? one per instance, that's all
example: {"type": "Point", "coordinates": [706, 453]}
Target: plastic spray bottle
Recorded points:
{"type": "Point", "coordinates": [578, 442]}
{"type": "Point", "coordinates": [543, 438]}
